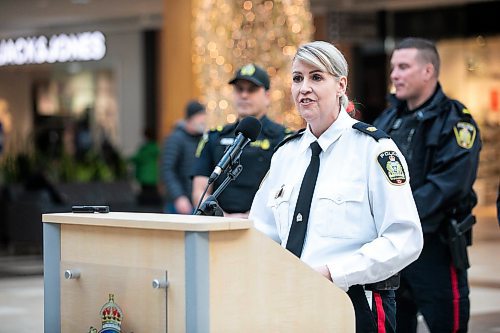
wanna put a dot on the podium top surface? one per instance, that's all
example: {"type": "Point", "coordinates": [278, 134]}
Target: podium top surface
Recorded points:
{"type": "Point", "coordinates": [150, 221]}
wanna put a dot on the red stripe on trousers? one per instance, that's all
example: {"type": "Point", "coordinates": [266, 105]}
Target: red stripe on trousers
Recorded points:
{"type": "Point", "coordinates": [380, 313]}
{"type": "Point", "coordinates": [456, 297]}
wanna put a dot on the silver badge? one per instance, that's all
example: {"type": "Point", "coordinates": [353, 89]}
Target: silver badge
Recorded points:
{"type": "Point", "coordinates": [226, 141]}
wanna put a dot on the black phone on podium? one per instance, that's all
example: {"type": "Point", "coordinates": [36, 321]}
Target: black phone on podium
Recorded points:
{"type": "Point", "coordinates": [90, 209]}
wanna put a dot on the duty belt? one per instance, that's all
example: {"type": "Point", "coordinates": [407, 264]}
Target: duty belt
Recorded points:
{"type": "Point", "coordinates": [391, 283]}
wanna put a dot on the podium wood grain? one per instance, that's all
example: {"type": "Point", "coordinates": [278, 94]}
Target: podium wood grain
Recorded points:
{"type": "Point", "coordinates": [143, 307]}
{"type": "Point", "coordinates": [254, 285]}
{"type": "Point", "coordinates": [257, 286]}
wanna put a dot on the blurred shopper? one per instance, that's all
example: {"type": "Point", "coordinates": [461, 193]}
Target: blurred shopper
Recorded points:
{"type": "Point", "coordinates": [178, 157]}
{"type": "Point", "coordinates": [145, 161]}
{"type": "Point", "coordinates": [83, 136]}
{"type": "Point", "coordinates": [440, 141]}
{"type": "Point", "coordinates": [36, 182]}
{"type": "Point", "coordinates": [251, 98]}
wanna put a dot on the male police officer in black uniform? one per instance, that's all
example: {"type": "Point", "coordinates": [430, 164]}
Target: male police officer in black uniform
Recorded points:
{"type": "Point", "coordinates": [251, 98]}
{"type": "Point", "coordinates": [441, 144]}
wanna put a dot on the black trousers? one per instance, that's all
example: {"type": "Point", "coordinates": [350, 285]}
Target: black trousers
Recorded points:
{"type": "Point", "coordinates": [434, 287]}
{"type": "Point", "coordinates": [380, 317]}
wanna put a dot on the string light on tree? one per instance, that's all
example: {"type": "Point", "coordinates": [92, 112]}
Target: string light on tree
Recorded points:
{"type": "Point", "coordinates": [229, 34]}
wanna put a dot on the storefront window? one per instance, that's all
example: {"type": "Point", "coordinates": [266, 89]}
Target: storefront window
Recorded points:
{"type": "Point", "coordinates": [470, 72]}
{"type": "Point", "coordinates": [72, 102]}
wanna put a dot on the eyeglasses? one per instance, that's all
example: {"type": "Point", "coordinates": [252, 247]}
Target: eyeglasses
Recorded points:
{"type": "Point", "coordinates": [249, 89]}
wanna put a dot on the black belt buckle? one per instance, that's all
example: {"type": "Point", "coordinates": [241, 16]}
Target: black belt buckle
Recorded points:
{"type": "Point", "coordinates": [391, 283]}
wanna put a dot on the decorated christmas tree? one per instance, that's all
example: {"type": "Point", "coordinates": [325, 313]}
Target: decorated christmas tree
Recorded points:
{"type": "Point", "coordinates": [229, 34]}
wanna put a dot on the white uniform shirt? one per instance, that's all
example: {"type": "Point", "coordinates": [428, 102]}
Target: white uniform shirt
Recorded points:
{"type": "Point", "coordinates": [364, 227]}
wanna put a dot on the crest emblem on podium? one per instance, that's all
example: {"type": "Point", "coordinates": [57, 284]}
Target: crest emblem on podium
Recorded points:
{"type": "Point", "coordinates": [111, 317]}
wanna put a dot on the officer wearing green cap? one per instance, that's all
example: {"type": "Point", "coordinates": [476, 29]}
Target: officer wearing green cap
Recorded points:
{"type": "Point", "coordinates": [250, 98]}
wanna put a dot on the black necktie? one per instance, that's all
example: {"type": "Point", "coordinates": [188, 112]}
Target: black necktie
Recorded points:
{"type": "Point", "coordinates": [301, 215]}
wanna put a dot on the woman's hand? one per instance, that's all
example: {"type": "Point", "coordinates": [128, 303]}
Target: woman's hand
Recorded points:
{"type": "Point", "coordinates": [323, 270]}
{"type": "Point", "coordinates": [183, 205]}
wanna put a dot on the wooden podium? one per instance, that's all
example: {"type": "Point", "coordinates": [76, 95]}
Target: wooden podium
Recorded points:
{"type": "Point", "coordinates": [177, 273]}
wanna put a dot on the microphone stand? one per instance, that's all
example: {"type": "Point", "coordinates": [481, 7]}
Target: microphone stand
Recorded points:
{"type": "Point", "coordinates": [210, 207]}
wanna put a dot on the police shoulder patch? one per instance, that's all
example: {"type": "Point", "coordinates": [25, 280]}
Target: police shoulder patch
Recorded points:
{"type": "Point", "coordinates": [370, 130]}
{"type": "Point", "coordinates": [465, 134]}
{"type": "Point", "coordinates": [289, 138]}
{"type": "Point", "coordinates": [391, 166]}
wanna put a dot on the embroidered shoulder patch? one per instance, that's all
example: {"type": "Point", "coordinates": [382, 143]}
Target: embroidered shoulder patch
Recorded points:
{"type": "Point", "coordinates": [465, 133]}
{"type": "Point", "coordinates": [391, 166]}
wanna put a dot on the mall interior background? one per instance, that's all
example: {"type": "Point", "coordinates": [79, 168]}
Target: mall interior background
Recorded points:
{"type": "Point", "coordinates": [140, 82]}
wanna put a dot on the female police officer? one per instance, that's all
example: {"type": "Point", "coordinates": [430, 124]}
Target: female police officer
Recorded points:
{"type": "Point", "coordinates": [337, 193]}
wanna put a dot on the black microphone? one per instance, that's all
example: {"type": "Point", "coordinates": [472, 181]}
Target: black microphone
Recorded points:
{"type": "Point", "coordinates": [247, 131]}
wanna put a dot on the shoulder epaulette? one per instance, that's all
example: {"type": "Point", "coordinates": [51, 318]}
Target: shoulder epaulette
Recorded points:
{"type": "Point", "coordinates": [201, 145]}
{"type": "Point", "coordinates": [272, 129]}
{"type": "Point", "coordinates": [228, 128]}
{"type": "Point", "coordinates": [460, 109]}
{"type": "Point", "coordinates": [218, 128]}
{"type": "Point", "coordinates": [465, 111]}
{"type": "Point", "coordinates": [370, 130]}
{"type": "Point", "coordinates": [290, 137]}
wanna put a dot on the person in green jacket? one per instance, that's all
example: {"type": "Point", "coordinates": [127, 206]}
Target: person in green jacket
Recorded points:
{"type": "Point", "coordinates": [145, 161]}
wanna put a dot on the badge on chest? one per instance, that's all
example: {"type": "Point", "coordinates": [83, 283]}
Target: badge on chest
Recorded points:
{"type": "Point", "coordinates": [226, 141]}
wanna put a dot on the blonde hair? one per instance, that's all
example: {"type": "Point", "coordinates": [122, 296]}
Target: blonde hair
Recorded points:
{"type": "Point", "coordinates": [326, 58]}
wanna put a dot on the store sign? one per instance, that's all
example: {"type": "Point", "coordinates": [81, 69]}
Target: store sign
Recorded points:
{"type": "Point", "coordinates": [83, 46]}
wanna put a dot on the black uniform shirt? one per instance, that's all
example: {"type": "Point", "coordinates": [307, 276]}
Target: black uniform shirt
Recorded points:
{"type": "Point", "coordinates": [255, 159]}
{"type": "Point", "coordinates": [442, 157]}
{"type": "Point", "coordinates": [405, 125]}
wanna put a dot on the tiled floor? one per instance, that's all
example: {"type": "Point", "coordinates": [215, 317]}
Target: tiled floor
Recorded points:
{"type": "Point", "coordinates": [21, 292]}
{"type": "Point", "coordinates": [21, 304]}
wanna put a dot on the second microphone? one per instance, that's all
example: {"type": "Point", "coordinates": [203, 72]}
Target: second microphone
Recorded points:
{"type": "Point", "coordinates": [247, 131]}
